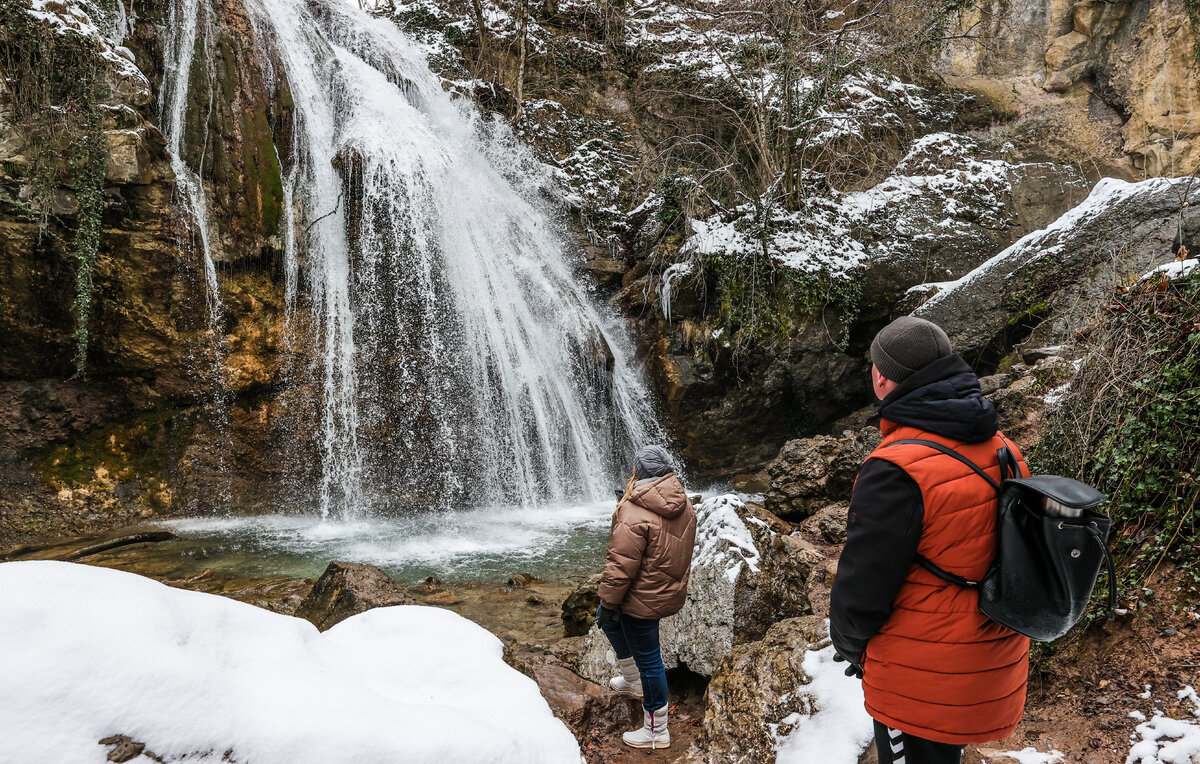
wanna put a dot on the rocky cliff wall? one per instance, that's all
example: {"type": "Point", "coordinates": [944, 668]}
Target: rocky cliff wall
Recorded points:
{"type": "Point", "coordinates": [1125, 71]}
{"type": "Point", "coordinates": [164, 410]}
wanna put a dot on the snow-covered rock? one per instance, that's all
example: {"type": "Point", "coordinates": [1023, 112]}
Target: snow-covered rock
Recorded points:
{"type": "Point", "coordinates": [782, 698]}
{"type": "Point", "coordinates": [746, 575]}
{"type": "Point", "coordinates": [89, 653]}
{"type": "Point", "coordinates": [1120, 228]}
{"type": "Point", "coordinates": [948, 199]}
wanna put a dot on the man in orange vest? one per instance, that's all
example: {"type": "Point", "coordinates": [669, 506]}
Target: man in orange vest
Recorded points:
{"type": "Point", "coordinates": [936, 672]}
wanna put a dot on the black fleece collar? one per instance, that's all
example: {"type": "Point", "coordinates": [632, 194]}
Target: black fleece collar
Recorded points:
{"type": "Point", "coordinates": [944, 398]}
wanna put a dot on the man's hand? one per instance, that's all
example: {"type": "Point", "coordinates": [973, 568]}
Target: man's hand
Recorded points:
{"type": "Point", "coordinates": [606, 616]}
{"type": "Point", "coordinates": [854, 669]}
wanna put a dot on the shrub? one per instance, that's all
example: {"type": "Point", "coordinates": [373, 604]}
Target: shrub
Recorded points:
{"type": "Point", "coordinates": [1130, 425]}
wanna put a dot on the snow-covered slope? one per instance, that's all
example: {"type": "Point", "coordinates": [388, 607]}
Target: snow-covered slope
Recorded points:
{"type": "Point", "coordinates": [86, 653]}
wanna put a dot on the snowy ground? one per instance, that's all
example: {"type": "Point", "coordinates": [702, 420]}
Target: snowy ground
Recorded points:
{"type": "Point", "coordinates": [87, 653]}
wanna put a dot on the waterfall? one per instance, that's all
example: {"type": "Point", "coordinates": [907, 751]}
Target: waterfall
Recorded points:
{"type": "Point", "coordinates": [188, 27]}
{"type": "Point", "coordinates": [459, 362]}
{"type": "Point", "coordinates": [183, 26]}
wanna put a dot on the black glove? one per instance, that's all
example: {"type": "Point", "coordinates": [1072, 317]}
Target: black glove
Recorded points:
{"type": "Point", "coordinates": [607, 616]}
{"type": "Point", "coordinates": [854, 669]}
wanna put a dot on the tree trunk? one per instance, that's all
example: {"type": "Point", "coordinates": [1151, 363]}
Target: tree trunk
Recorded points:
{"type": "Point", "coordinates": [477, 7]}
{"type": "Point", "coordinates": [521, 60]}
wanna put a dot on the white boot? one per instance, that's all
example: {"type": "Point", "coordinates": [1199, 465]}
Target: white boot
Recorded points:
{"type": "Point", "coordinates": [630, 680]}
{"type": "Point", "coordinates": [653, 733]}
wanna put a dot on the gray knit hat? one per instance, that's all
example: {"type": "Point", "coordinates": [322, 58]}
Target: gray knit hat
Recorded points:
{"type": "Point", "coordinates": [652, 462]}
{"type": "Point", "coordinates": [906, 346]}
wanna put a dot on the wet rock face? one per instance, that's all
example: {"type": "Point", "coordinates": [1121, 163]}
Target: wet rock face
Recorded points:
{"type": "Point", "coordinates": [152, 350]}
{"type": "Point", "coordinates": [810, 472]}
{"type": "Point", "coordinates": [346, 589]}
{"type": "Point", "coordinates": [731, 416]}
{"type": "Point", "coordinates": [747, 573]}
{"type": "Point", "coordinates": [579, 608]}
{"type": "Point", "coordinates": [755, 688]}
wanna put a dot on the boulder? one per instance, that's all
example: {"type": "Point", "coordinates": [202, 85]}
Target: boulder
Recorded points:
{"type": "Point", "coordinates": [746, 575]}
{"type": "Point", "coordinates": [809, 473]}
{"type": "Point", "coordinates": [755, 689]}
{"type": "Point", "coordinates": [579, 608]}
{"type": "Point", "coordinates": [828, 523]}
{"type": "Point", "coordinates": [346, 589]}
{"type": "Point", "coordinates": [586, 707]}
{"type": "Point", "coordinates": [520, 580]}
{"type": "Point", "coordinates": [1054, 277]}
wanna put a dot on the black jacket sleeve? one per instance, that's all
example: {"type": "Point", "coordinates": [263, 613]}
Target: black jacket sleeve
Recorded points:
{"type": "Point", "coordinates": [882, 534]}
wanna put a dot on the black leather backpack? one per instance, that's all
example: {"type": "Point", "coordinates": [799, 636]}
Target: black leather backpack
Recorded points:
{"type": "Point", "coordinates": [1051, 544]}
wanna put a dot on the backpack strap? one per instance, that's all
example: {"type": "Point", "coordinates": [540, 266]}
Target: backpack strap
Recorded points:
{"type": "Point", "coordinates": [1008, 467]}
{"type": "Point", "coordinates": [952, 453]}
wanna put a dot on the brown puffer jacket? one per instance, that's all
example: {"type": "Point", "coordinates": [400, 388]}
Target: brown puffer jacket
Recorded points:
{"type": "Point", "coordinates": [650, 550]}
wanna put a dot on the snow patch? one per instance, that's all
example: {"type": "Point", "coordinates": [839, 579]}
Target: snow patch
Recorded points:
{"type": "Point", "coordinates": [722, 539]}
{"type": "Point", "coordinates": [1176, 269]}
{"type": "Point", "coordinates": [88, 652]}
{"type": "Point", "coordinates": [838, 729]}
{"type": "Point", "coordinates": [1164, 740]}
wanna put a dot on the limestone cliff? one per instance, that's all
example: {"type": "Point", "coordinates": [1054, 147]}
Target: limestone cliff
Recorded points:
{"type": "Point", "coordinates": [1124, 72]}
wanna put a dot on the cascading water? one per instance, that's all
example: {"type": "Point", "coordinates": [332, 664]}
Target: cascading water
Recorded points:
{"type": "Point", "coordinates": [187, 29]}
{"type": "Point", "coordinates": [183, 26]}
{"type": "Point", "coordinates": [459, 362]}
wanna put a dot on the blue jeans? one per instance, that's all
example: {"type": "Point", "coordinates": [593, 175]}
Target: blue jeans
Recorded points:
{"type": "Point", "coordinates": [638, 639]}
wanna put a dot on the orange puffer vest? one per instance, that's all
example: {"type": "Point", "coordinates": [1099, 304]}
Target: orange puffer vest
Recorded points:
{"type": "Point", "coordinates": [939, 668]}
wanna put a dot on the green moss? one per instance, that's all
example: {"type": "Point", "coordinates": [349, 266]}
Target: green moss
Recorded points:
{"type": "Point", "coordinates": [126, 450]}
{"type": "Point", "coordinates": [1193, 9]}
{"type": "Point", "coordinates": [261, 170]}
{"type": "Point", "coordinates": [761, 303]}
{"type": "Point", "coordinates": [271, 187]}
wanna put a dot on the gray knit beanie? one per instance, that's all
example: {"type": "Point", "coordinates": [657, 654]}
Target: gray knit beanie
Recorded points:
{"type": "Point", "coordinates": [906, 345]}
{"type": "Point", "coordinates": [652, 462]}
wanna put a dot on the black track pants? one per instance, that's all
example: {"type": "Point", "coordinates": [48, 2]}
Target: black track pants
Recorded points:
{"type": "Point", "coordinates": [896, 747]}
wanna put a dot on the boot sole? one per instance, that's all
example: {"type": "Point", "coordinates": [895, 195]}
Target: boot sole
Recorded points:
{"type": "Point", "coordinates": [647, 746]}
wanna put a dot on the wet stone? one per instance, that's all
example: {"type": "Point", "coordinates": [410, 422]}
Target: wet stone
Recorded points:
{"type": "Point", "coordinates": [346, 589]}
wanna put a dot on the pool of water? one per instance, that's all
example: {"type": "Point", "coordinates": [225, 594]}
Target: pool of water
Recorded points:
{"type": "Point", "coordinates": [475, 545]}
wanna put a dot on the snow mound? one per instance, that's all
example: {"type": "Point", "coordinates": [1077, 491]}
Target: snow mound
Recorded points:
{"type": "Point", "coordinates": [88, 652]}
{"type": "Point", "coordinates": [838, 729]}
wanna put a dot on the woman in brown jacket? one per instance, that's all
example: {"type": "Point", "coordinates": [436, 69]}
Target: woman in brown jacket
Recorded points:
{"type": "Point", "coordinates": [645, 579]}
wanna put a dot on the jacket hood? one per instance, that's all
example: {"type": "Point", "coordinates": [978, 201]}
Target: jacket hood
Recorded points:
{"type": "Point", "coordinates": [944, 398]}
{"type": "Point", "coordinates": [663, 496]}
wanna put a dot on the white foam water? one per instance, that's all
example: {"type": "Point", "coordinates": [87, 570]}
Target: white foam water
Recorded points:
{"type": "Point", "coordinates": [484, 544]}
